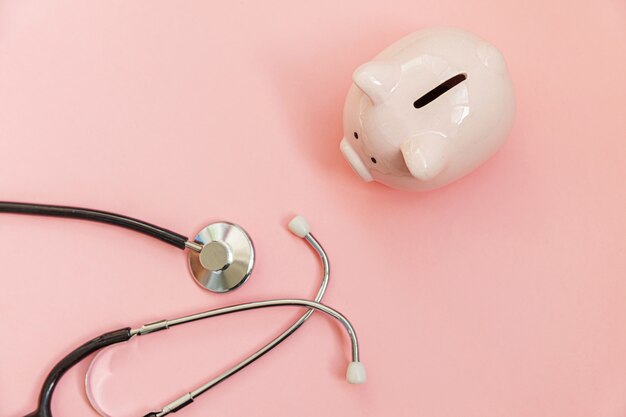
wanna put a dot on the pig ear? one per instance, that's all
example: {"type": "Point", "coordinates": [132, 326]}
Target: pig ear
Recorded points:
{"type": "Point", "coordinates": [491, 57]}
{"type": "Point", "coordinates": [377, 79]}
{"type": "Point", "coordinates": [425, 156]}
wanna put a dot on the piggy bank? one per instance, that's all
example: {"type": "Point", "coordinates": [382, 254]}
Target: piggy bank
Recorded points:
{"type": "Point", "coordinates": [427, 110]}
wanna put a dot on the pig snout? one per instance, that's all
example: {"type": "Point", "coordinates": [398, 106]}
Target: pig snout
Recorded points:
{"type": "Point", "coordinates": [355, 161]}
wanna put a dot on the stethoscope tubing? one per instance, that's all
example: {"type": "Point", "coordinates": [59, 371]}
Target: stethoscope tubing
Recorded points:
{"type": "Point", "coordinates": [165, 235]}
{"type": "Point", "coordinates": [181, 242]}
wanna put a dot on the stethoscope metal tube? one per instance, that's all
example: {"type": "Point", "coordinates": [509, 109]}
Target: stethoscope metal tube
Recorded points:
{"type": "Point", "coordinates": [166, 324]}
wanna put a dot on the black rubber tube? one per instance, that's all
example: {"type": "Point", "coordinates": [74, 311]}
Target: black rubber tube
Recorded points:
{"type": "Point", "coordinates": [47, 390]}
{"type": "Point", "coordinates": [160, 233]}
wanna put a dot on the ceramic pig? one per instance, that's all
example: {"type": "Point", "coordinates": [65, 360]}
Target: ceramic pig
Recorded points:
{"type": "Point", "coordinates": [427, 110]}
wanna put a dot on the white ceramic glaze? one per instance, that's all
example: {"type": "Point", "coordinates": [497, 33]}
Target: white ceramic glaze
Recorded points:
{"type": "Point", "coordinates": [390, 140]}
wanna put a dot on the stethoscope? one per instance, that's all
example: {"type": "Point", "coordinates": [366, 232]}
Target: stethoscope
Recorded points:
{"type": "Point", "coordinates": [221, 258]}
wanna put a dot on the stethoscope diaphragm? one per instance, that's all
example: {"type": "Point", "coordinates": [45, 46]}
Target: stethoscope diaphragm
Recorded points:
{"type": "Point", "coordinates": [226, 258]}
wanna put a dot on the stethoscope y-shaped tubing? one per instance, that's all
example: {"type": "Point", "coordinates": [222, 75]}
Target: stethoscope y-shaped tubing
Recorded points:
{"type": "Point", "coordinates": [117, 336]}
{"type": "Point", "coordinates": [181, 242]}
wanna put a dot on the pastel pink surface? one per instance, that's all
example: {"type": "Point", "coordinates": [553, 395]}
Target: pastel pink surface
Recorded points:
{"type": "Point", "coordinates": [502, 294]}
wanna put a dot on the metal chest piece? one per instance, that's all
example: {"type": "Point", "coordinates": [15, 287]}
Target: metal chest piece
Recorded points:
{"type": "Point", "coordinates": [226, 259]}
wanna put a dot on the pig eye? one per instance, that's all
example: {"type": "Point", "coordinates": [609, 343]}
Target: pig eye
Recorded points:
{"type": "Point", "coordinates": [373, 159]}
{"type": "Point", "coordinates": [439, 90]}
{"type": "Point", "coordinates": [356, 135]}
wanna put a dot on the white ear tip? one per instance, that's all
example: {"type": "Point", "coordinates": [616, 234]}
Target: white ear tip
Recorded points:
{"type": "Point", "coordinates": [299, 226]}
{"type": "Point", "coordinates": [356, 373]}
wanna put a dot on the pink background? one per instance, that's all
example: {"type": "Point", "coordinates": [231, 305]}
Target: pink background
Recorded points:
{"type": "Point", "coordinates": [501, 295]}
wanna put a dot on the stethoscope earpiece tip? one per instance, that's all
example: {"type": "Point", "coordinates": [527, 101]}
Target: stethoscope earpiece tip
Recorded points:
{"type": "Point", "coordinates": [299, 226]}
{"type": "Point", "coordinates": [356, 373]}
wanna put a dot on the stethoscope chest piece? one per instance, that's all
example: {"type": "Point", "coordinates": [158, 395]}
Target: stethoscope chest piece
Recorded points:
{"type": "Point", "coordinates": [226, 258]}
